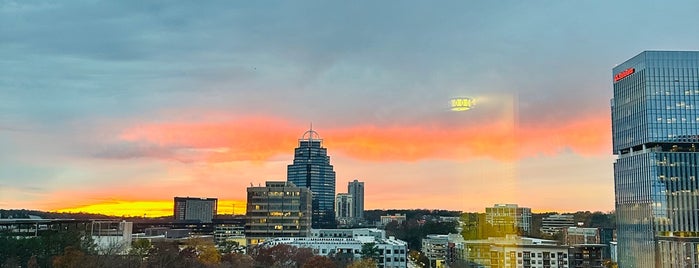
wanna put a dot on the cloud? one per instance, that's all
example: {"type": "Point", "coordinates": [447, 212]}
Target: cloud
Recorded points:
{"type": "Point", "coordinates": [262, 138]}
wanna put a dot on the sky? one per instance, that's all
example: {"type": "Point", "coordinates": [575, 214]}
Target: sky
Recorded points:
{"type": "Point", "coordinates": [118, 106]}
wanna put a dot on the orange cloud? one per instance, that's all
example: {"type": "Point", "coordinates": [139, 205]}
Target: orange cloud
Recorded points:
{"type": "Point", "coordinates": [261, 138]}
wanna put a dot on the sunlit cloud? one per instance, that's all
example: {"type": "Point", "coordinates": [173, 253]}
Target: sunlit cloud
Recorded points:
{"type": "Point", "coordinates": [262, 138]}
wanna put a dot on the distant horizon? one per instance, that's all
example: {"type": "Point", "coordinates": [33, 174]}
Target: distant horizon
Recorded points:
{"type": "Point", "coordinates": [117, 214]}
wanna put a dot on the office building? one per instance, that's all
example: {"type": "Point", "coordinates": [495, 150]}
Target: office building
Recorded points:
{"type": "Point", "coordinates": [111, 237]}
{"type": "Point", "coordinates": [195, 209]}
{"type": "Point", "coordinates": [587, 255]}
{"type": "Point", "coordinates": [311, 169]}
{"type": "Point", "coordinates": [555, 223]}
{"type": "Point", "coordinates": [516, 251]}
{"type": "Point", "coordinates": [229, 228]}
{"type": "Point", "coordinates": [344, 207]}
{"type": "Point", "coordinates": [509, 218]}
{"type": "Point", "coordinates": [356, 189]}
{"type": "Point", "coordinates": [436, 248]}
{"type": "Point", "coordinates": [579, 235]}
{"type": "Point", "coordinates": [279, 209]}
{"type": "Point", "coordinates": [655, 130]}
{"type": "Point", "coordinates": [398, 218]}
{"type": "Point", "coordinates": [392, 252]}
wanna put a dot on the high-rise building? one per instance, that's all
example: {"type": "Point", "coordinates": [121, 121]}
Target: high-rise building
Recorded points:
{"type": "Point", "coordinates": [655, 130]}
{"type": "Point", "coordinates": [194, 208]}
{"type": "Point", "coordinates": [312, 169]}
{"type": "Point", "coordinates": [279, 209]}
{"type": "Point", "coordinates": [356, 189]}
{"type": "Point", "coordinates": [343, 206]}
{"type": "Point", "coordinates": [509, 218]}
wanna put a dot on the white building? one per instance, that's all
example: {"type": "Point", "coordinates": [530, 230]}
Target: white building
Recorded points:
{"type": "Point", "coordinates": [392, 251]}
{"type": "Point", "coordinates": [400, 218]}
{"type": "Point", "coordinates": [112, 237]}
{"type": "Point", "coordinates": [555, 223]}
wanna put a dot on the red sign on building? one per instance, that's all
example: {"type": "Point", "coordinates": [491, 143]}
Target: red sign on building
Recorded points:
{"type": "Point", "coordinates": [623, 74]}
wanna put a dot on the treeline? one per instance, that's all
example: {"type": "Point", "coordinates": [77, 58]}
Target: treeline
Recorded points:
{"type": "Point", "coordinates": [74, 249]}
{"type": "Point", "coordinates": [375, 215]}
{"type": "Point", "coordinates": [25, 214]}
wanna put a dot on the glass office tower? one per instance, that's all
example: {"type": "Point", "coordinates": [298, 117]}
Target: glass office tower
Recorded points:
{"type": "Point", "coordinates": [655, 129]}
{"type": "Point", "coordinates": [312, 169]}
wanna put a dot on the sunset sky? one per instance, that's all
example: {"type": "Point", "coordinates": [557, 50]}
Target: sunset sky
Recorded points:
{"type": "Point", "coordinates": [118, 106]}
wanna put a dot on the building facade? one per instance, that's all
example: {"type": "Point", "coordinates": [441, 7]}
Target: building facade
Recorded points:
{"type": "Point", "coordinates": [509, 218]}
{"type": "Point", "coordinates": [398, 218]}
{"type": "Point", "coordinates": [392, 252]}
{"type": "Point", "coordinates": [655, 130]}
{"type": "Point", "coordinates": [279, 209]}
{"type": "Point", "coordinates": [515, 251]}
{"type": "Point", "coordinates": [195, 209]}
{"type": "Point", "coordinates": [356, 189]}
{"type": "Point", "coordinates": [579, 235]}
{"type": "Point", "coordinates": [554, 223]}
{"type": "Point", "coordinates": [311, 169]}
{"type": "Point", "coordinates": [344, 208]}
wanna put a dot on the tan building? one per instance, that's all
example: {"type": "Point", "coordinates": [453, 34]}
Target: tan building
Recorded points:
{"type": "Point", "coordinates": [279, 209]}
{"type": "Point", "coordinates": [578, 235]}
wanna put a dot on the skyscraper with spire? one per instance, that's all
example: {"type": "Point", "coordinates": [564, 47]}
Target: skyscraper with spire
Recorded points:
{"type": "Point", "coordinates": [312, 169]}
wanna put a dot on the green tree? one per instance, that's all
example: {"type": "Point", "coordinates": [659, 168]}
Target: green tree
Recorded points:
{"type": "Point", "coordinates": [370, 251]}
{"type": "Point", "coordinates": [140, 248]}
{"type": "Point", "coordinates": [363, 263]}
{"type": "Point", "coordinates": [228, 246]}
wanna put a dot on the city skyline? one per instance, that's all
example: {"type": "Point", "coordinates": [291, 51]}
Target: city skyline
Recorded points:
{"type": "Point", "coordinates": [115, 106]}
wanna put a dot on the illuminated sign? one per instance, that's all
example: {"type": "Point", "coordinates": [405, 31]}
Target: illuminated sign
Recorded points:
{"type": "Point", "coordinates": [623, 74]}
{"type": "Point", "coordinates": [461, 104]}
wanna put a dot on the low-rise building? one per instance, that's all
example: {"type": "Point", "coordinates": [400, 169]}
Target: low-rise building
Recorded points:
{"type": "Point", "coordinates": [587, 255]}
{"type": "Point", "coordinates": [400, 218]}
{"type": "Point", "coordinates": [230, 228]}
{"type": "Point", "coordinates": [435, 248]}
{"type": "Point", "coordinates": [112, 237]}
{"type": "Point", "coordinates": [579, 235]}
{"type": "Point", "coordinates": [516, 251]}
{"type": "Point", "coordinates": [392, 251]}
{"type": "Point", "coordinates": [555, 223]}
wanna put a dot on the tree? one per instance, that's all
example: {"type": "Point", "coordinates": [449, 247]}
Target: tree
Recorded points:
{"type": "Point", "coordinates": [204, 250]}
{"type": "Point", "coordinates": [302, 256]}
{"type": "Point", "coordinates": [238, 260]}
{"type": "Point", "coordinates": [228, 246]}
{"type": "Point", "coordinates": [72, 257]}
{"type": "Point", "coordinates": [319, 262]}
{"type": "Point", "coordinates": [140, 248]}
{"type": "Point", "coordinates": [363, 263]}
{"type": "Point", "coordinates": [277, 256]}
{"type": "Point", "coordinates": [164, 254]}
{"type": "Point", "coordinates": [610, 264]}
{"type": "Point", "coordinates": [370, 251]}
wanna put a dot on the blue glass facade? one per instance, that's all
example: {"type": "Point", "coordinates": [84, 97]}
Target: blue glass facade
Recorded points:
{"type": "Point", "coordinates": [312, 169]}
{"type": "Point", "coordinates": [655, 129]}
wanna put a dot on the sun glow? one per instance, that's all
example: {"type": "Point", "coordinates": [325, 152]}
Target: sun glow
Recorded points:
{"type": "Point", "coordinates": [148, 208]}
